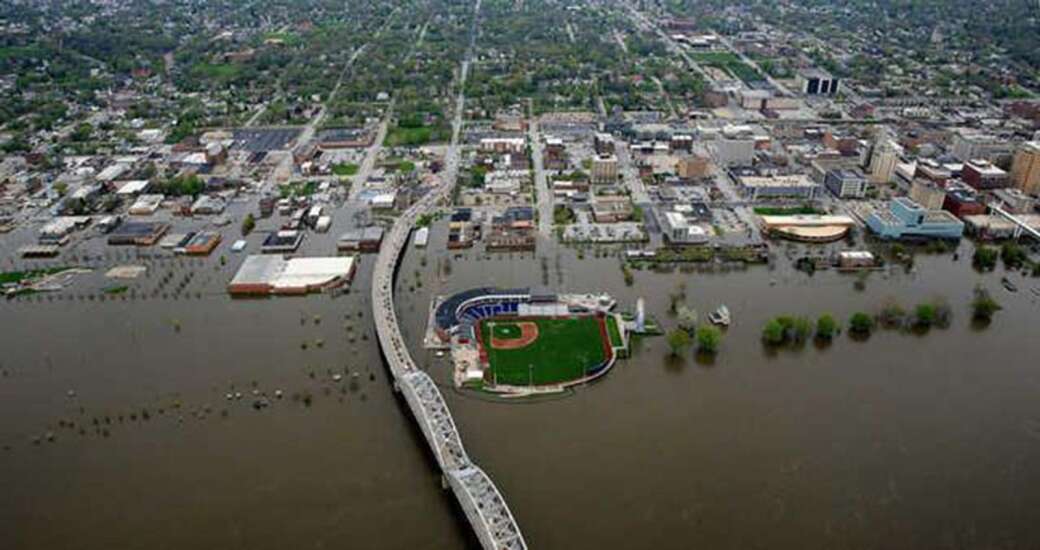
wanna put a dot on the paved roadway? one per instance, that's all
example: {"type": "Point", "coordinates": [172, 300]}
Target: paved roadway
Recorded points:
{"type": "Point", "coordinates": [371, 156]}
{"type": "Point", "coordinates": [643, 22]}
{"type": "Point", "coordinates": [541, 180]}
{"type": "Point", "coordinates": [736, 202]}
{"type": "Point", "coordinates": [629, 173]}
{"type": "Point", "coordinates": [772, 81]}
{"type": "Point", "coordinates": [312, 126]}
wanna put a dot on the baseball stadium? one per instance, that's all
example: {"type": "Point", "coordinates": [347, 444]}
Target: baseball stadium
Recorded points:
{"type": "Point", "coordinates": [525, 341]}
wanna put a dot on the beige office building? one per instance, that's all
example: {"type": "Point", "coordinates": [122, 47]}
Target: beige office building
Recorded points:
{"type": "Point", "coordinates": [605, 169]}
{"type": "Point", "coordinates": [927, 193]}
{"type": "Point", "coordinates": [1025, 170]}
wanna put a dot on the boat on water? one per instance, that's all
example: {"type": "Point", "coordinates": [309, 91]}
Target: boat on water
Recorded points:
{"type": "Point", "coordinates": [1009, 285]}
{"type": "Point", "coordinates": [720, 316]}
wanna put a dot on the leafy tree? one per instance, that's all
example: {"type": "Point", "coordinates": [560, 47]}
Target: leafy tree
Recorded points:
{"type": "Point", "coordinates": [708, 339]}
{"type": "Point", "coordinates": [985, 258]}
{"type": "Point", "coordinates": [861, 323]}
{"type": "Point", "coordinates": [687, 319]}
{"type": "Point", "coordinates": [774, 333]}
{"type": "Point", "coordinates": [562, 215]}
{"type": "Point", "coordinates": [924, 315]}
{"type": "Point", "coordinates": [1014, 255]}
{"type": "Point", "coordinates": [826, 327]}
{"type": "Point", "coordinates": [678, 340]}
{"type": "Point", "coordinates": [893, 315]}
{"type": "Point", "coordinates": [983, 306]}
{"type": "Point", "coordinates": [801, 329]}
{"type": "Point", "coordinates": [82, 132]}
{"type": "Point", "coordinates": [183, 186]}
{"type": "Point", "coordinates": [248, 223]}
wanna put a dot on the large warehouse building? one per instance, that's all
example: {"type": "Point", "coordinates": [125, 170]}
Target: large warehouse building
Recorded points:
{"type": "Point", "coordinates": [268, 274]}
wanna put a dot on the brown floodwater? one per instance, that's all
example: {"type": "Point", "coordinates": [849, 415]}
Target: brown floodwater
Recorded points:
{"type": "Point", "coordinates": [899, 441]}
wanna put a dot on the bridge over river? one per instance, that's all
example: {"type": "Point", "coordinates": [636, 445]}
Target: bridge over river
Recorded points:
{"type": "Point", "coordinates": [483, 504]}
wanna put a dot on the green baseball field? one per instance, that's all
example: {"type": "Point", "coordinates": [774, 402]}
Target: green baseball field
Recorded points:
{"type": "Point", "coordinates": [564, 349]}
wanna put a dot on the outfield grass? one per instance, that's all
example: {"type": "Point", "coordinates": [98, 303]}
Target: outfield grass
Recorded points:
{"type": "Point", "coordinates": [565, 350]}
{"type": "Point", "coordinates": [614, 332]}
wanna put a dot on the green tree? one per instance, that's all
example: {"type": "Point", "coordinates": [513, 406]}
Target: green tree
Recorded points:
{"type": "Point", "coordinates": [861, 323]}
{"type": "Point", "coordinates": [985, 258]}
{"type": "Point", "coordinates": [801, 329]}
{"type": "Point", "coordinates": [826, 327]}
{"type": "Point", "coordinates": [708, 339]}
{"type": "Point", "coordinates": [183, 186]}
{"type": "Point", "coordinates": [893, 315]}
{"type": "Point", "coordinates": [924, 315]}
{"type": "Point", "coordinates": [82, 132]}
{"type": "Point", "coordinates": [1014, 255]}
{"type": "Point", "coordinates": [248, 223]}
{"type": "Point", "coordinates": [983, 306]}
{"type": "Point", "coordinates": [687, 319]}
{"type": "Point", "coordinates": [774, 333]}
{"type": "Point", "coordinates": [678, 340]}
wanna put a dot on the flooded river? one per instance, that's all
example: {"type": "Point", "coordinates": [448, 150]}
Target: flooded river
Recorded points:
{"type": "Point", "coordinates": [901, 441]}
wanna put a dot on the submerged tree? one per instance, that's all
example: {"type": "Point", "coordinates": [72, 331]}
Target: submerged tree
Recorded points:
{"type": "Point", "coordinates": [774, 333]}
{"type": "Point", "coordinates": [983, 306]}
{"type": "Point", "coordinates": [861, 323]}
{"type": "Point", "coordinates": [826, 327]}
{"type": "Point", "coordinates": [678, 340]}
{"type": "Point", "coordinates": [708, 339]}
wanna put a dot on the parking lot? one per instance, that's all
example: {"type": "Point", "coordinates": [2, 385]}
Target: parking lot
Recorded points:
{"type": "Point", "coordinates": [261, 140]}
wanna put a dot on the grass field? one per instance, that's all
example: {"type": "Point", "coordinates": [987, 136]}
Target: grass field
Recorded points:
{"type": "Point", "coordinates": [401, 136]}
{"type": "Point", "coordinates": [614, 332]}
{"type": "Point", "coordinates": [729, 62]}
{"type": "Point", "coordinates": [347, 169]}
{"type": "Point", "coordinates": [10, 277]}
{"type": "Point", "coordinates": [787, 211]}
{"type": "Point", "coordinates": [565, 350]}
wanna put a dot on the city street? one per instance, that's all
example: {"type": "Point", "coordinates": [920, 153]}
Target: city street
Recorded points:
{"type": "Point", "coordinates": [541, 183]}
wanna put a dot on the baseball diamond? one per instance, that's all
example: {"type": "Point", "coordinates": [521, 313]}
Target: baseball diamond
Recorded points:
{"type": "Point", "coordinates": [547, 350]}
{"type": "Point", "coordinates": [512, 335]}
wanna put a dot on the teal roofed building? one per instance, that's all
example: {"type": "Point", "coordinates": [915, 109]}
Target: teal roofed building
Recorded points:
{"type": "Point", "coordinates": [905, 219]}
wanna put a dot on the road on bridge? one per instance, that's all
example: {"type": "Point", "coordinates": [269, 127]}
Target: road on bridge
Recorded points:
{"type": "Point", "coordinates": [483, 504]}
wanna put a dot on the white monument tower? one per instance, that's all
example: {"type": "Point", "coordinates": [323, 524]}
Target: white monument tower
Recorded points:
{"type": "Point", "coordinates": [640, 316]}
